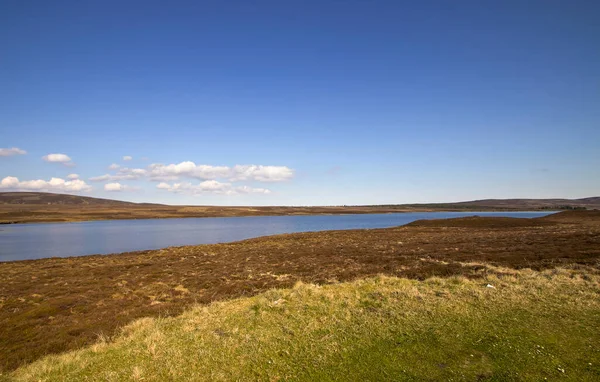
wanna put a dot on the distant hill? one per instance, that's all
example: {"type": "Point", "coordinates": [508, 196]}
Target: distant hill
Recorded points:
{"type": "Point", "coordinates": [593, 202]}
{"type": "Point", "coordinates": [513, 204]}
{"type": "Point", "coordinates": [54, 199]}
{"type": "Point", "coordinates": [44, 198]}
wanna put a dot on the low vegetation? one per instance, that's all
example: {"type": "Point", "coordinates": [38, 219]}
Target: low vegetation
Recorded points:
{"type": "Point", "coordinates": [505, 325]}
{"type": "Point", "coordinates": [545, 273]}
{"type": "Point", "coordinates": [33, 213]}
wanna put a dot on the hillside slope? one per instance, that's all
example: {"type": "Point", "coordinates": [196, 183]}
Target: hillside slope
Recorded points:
{"type": "Point", "coordinates": [536, 203]}
{"type": "Point", "coordinates": [45, 198]}
{"type": "Point", "coordinates": [514, 204]}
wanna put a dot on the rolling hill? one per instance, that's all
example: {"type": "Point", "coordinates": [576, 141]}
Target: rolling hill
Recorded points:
{"type": "Point", "coordinates": [37, 207]}
{"type": "Point", "coordinates": [53, 199]}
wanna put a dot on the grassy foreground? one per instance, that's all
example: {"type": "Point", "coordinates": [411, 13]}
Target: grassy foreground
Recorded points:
{"type": "Point", "coordinates": [529, 326]}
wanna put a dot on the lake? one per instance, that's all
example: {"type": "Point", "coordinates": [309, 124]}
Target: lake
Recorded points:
{"type": "Point", "coordinates": [36, 241]}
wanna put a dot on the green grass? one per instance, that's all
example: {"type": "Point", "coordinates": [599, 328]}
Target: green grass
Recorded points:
{"type": "Point", "coordinates": [532, 326]}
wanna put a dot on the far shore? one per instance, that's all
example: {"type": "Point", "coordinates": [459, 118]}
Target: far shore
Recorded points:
{"type": "Point", "coordinates": [20, 214]}
{"type": "Point", "coordinates": [42, 207]}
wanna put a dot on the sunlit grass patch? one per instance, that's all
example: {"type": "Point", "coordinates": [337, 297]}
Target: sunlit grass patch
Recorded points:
{"type": "Point", "coordinates": [508, 325]}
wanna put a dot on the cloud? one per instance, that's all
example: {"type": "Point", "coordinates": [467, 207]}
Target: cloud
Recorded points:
{"type": "Point", "coordinates": [12, 151]}
{"type": "Point", "coordinates": [210, 187]}
{"type": "Point", "coordinates": [161, 172]}
{"type": "Point", "coordinates": [72, 176]}
{"type": "Point", "coordinates": [251, 190]}
{"type": "Point", "coordinates": [114, 187]}
{"type": "Point", "coordinates": [114, 166]}
{"type": "Point", "coordinates": [262, 173]}
{"type": "Point", "coordinates": [59, 158]}
{"type": "Point", "coordinates": [138, 172]}
{"type": "Point", "coordinates": [123, 174]}
{"type": "Point", "coordinates": [54, 184]}
{"type": "Point", "coordinates": [127, 157]}
{"type": "Point", "coordinates": [215, 179]}
{"type": "Point", "coordinates": [112, 178]}
{"type": "Point", "coordinates": [101, 178]}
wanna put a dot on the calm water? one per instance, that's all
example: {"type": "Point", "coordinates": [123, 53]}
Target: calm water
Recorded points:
{"type": "Point", "coordinates": [36, 241]}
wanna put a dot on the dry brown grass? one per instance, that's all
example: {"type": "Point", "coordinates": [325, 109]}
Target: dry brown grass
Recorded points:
{"type": "Point", "coordinates": [531, 326]}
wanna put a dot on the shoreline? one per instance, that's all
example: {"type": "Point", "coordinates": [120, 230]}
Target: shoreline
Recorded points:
{"type": "Point", "coordinates": [220, 216]}
{"type": "Point", "coordinates": [473, 214]}
{"type": "Point", "coordinates": [44, 220]}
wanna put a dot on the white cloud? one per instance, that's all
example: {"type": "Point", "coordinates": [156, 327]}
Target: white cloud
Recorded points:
{"type": "Point", "coordinates": [213, 186]}
{"type": "Point", "coordinates": [119, 187]}
{"type": "Point", "coordinates": [189, 169]}
{"type": "Point", "coordinates": [112, 178]}
{"type": "Point", "coordinates": [72, 176]}
{"type": "Point", "coordinates": [262, 173]}
{"type": "Point", "coordinates": [9, 182]}
{"type": "Point", "coordinates": [161, 172]}
{"type": "Point", "coordinates": [54, 184]}
{"type": "Point", "coordinates": [210, 187]}
{"type": "Point", "coordinates": [127, 157]}
{"type": "Point", "coordinates": [123, 174]}
{"type": "Point", "coordinates": [12, 151]}
{"type": "Point", "coordinates": [125, 177]}
{"type": "Point", "coordinates": [101, 178]}
{"type": "Point", "coordinates": [114, 166]}
{"type": "Point", "coordinates": [114, 187]}
{"type": "Point", "coordinates": [138, 172]}
{"type": "Point", "coordinates": [59, 158]}
{"type": "Point", "coordinates": [251, 190]}
{"type": "Point", "coordinates": [214, 179]}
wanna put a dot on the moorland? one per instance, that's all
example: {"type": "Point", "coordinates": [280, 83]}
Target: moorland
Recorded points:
{"type": "Point", "coordinates": [505, 285]}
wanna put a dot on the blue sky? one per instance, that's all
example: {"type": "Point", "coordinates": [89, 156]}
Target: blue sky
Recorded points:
{"type": "Point", "coordinates": [301, 102]}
